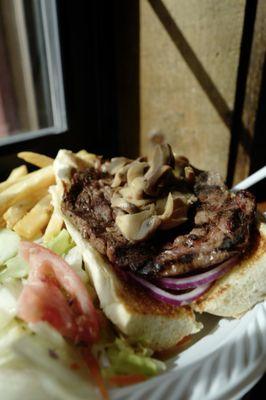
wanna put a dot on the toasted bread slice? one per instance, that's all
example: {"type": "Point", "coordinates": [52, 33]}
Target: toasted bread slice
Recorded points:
{"type": "Point", "coordinates": [242, 287]}
{"type": "Point", "coordinates": [128, 306]}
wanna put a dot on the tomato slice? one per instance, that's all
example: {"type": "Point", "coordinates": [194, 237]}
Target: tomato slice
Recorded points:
{"type": "Point", "coordinates": [55, 293]}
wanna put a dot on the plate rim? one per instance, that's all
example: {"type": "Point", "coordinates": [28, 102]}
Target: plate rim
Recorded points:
{"type": "Point", "coordinates": [241, 383]}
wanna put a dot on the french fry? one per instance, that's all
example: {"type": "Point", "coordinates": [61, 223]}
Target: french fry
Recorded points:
{"type": "Point", "coordinates": [19, 209]}
{"type": "Point", "coordinates": [39, 160]}
{"type": "Point", "coordinates": [16, 173]}
{"type": "Point", "coordinates": [32, 225]}
{"type": "Point", "coordinates": [89, 158]}
{"type": "Point", "coordinates": [25, 188]}
{"type": "Point", "coordinates": [54, 226]}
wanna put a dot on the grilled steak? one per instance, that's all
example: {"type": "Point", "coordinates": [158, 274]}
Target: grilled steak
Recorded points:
{"type": "Point", "coordinates": [219, 227]}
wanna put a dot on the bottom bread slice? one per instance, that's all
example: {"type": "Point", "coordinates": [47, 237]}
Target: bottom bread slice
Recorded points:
{"type": "Point", "coordinates": [130, 307]}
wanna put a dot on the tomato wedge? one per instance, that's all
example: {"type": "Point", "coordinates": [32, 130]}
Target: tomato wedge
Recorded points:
{"type": "Point", "coordinates": [55, 293]}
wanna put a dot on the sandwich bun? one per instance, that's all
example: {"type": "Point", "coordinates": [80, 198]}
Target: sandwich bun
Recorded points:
{"type": "Point", "coordinates": [242, 287]}
{"type": "Point", "coordinates": [130, 308]}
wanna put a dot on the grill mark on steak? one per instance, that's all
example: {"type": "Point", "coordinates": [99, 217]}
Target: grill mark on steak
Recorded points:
{"type": "Point", "coordinates": [220, 227]}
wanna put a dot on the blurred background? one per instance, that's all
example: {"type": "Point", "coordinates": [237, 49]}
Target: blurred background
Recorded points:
{"type": "Point", "coordinates": [117, 77]}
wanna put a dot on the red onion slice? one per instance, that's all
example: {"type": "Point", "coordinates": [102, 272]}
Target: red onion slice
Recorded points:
{"type": "Point", "coordinates": [197, 280]}
{"type": "Point", "coordinates": [174, 299]}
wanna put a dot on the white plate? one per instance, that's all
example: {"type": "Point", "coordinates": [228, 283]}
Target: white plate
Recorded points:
{"type": "Point", "coordinates": [223, 364]}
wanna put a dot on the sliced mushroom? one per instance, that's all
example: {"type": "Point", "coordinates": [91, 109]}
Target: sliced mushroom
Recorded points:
{"type": "Point", "coordinates": [116, 164]}
{"type": "Point", "coordinates": [180, 163]}
{"type": "Point", "coordinates": [155, 179]}
{"type": "Point", "coordinates": [134, 193]}
{"type": "Point", "coordinates": [140, 226]}
{"type": "Point", "coordinates": [138, 189]}
{"type": "Point", "coordinates": [160, 205]}
{"type": "Point", "coordinates": [161, 163]}
{"type": "Point", "coordinates": [119, 202]}
{"type": "Point", "coordinates": [169, 208]}
{"type": "Point", "coordinates": [120, 177]}
{"type": "Point", "coordinates": [163, 155]}
{"type": "Point", "coordinates": [135, 170]}
{"type": "Point", "coordinates": [175, 211]}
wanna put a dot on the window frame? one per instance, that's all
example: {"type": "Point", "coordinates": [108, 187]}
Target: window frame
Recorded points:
{"type": "Point", "coordinates": [47, 11]}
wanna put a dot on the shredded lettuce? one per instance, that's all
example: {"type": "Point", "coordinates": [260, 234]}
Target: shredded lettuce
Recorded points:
{"type": "Point", "coordinates": [8, 336]}
{"type": "Point", "coordinates": [62, 243]}
{"type": "Point", "coordinates": [8, 302]}
{"type": "Point", "coordinates": [74, 259]}
{"type": "Point", "coordinates": [47, 352]}
{"type": "Point", "coordinates": [64, 246]}
{"type": "Point", "coordinates": [15, 267]}
{"type": "Point", "coordinates": [9, 242]}
{"type": "Point", "coordinates": [39, 348]}
{"type": "Point", "coordinates": [5, 318]}
{"type": "Point", "coordinates": [125, 360]}
{"type": "Point", "coordinates": [14, 286]}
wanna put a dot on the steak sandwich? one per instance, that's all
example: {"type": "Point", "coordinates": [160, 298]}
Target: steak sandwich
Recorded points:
{"type": "Point", "coordinates": [161, 239]}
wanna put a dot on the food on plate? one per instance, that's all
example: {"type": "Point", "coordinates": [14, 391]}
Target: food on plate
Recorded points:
{"type": "Point", "coordinates": [39, 160]}
{"type": "Point", "coordinates": [54, 292]}
{"type": "Point", "coordinates": [8, 245]}
{"type": "Point", "coordinates": [157, 237]}
{"type": "Point", "coordinates": [25, 204]}
{"type": "Point", "coordinates": [16, 212]}
{"type": "Point", "coordinates": [15, 174]}
{"type": "Point", "coordinates": [106, 263]}
{"type": "Point", "coordinates": [25, 186]}
{"type": "Point", "coordinates": [51, 326]}
{"type": "Point", "coordinates": [236, 292]}
{"type": "Point", "coordinates": [54, 226]}
{"type": "Point", "coordinates": [32, 224]}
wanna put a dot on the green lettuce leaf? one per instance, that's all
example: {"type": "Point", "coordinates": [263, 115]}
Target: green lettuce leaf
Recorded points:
{"type": "Point", "coordinates": [62, 243]}
{"type": "Point", "coordinates": [15, 267]}
{"type": "Point", "coordinates": [9, 242]}
{"type": "Point", "coordinates": [124, 359]}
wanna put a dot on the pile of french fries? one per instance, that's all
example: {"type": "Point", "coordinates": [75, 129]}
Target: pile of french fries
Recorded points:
{"type": "Point", "coordinates": [25, 200]}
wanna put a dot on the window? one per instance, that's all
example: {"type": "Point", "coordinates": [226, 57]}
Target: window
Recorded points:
{"type": "Point", "coordinates": [31, 86]}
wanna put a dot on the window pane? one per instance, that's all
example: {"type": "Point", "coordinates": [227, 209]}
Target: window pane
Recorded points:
{"type": "Point", "coordinates": [31, 88]}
